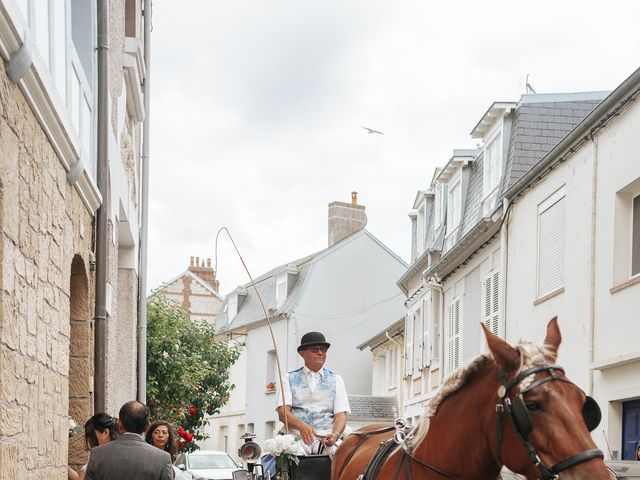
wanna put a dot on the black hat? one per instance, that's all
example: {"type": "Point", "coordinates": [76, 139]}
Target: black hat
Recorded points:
{"type": "Point", "coordinates": [313, 339]}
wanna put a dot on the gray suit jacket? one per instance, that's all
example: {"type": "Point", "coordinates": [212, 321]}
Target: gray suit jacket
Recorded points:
{"type": "Point", "coordinates": [129, 458]}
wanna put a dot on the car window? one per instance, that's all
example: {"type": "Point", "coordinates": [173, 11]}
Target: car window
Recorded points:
{"type": "Point", "coordinates": [179, 460]}
{"type": "Point", "coordinates": [213, 460]}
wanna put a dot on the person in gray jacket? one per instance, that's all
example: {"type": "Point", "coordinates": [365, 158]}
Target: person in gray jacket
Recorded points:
{"type": "Point", "coordinates": [130, 457]}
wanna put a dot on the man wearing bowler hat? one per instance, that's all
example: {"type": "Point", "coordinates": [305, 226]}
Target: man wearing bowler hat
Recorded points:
{"type": "Point", "coordinates": [315, 399]}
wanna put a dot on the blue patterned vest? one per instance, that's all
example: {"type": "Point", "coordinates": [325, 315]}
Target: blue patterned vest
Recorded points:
{"type": "Point", "coordinates": [314, 408]}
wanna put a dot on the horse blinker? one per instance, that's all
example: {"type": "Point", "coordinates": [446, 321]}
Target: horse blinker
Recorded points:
{"type": "Point", "coordinates": [591, 414]}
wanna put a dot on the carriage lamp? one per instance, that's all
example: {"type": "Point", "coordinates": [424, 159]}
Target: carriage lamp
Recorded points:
{"type": "Point", "coordinates": [250, 451]}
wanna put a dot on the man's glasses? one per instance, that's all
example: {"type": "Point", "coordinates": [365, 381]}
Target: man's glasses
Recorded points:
{"type": "Point", "coordinates": [317, 349]}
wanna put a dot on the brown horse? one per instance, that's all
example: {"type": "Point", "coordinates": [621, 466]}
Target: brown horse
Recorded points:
{"type": "Point", "coordinates": [510, 407]}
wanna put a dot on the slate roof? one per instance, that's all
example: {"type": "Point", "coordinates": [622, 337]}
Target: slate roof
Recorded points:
{"type": "Point", "coordinates": [534, 127]}
{"type": "Point", "coordinates": [382, 409]}
{"type": "Point", "coordinates": [250, 312]}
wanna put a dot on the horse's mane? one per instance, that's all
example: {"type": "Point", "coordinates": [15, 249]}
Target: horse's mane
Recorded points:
{"type": "Point", "coordinates": [530, 355]}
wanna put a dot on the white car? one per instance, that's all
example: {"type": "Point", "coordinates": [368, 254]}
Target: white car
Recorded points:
{"type": "Point", "coordinates": [204, 465]}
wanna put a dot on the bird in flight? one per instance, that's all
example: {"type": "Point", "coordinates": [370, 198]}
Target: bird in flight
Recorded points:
{"type": "Point", "coordinates": [371, 130]}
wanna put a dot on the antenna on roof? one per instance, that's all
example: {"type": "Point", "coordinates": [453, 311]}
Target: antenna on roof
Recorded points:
{"type": "Point", "coordinates": [528, 87]}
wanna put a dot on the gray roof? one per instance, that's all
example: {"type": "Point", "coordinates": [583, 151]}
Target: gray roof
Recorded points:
{"type": "Point", "coordinates": [250, 311]}
{"type": "Point", "coordinates": [373, 408]}
{"type": "Point", "coordinates": [534, 128]}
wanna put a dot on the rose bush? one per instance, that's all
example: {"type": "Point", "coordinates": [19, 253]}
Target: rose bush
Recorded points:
{"type": "Point", "coordinates": [187, 369]}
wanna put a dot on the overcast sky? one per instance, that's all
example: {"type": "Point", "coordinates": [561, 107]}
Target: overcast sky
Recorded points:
{"type": "Point", "coordinates": [257, 108]}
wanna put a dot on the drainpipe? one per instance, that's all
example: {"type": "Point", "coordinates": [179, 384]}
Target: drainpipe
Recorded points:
{"type": "Point", "coordinates": [592, 279]}
{"type": "Point", "coordinates": [400, 365]}
{"type": "Point", "coordinates": [144, 215]}
{"type": "Point", "coordinates": [504, 263]}
{"type": "Point", "coordinates": [102, 215]}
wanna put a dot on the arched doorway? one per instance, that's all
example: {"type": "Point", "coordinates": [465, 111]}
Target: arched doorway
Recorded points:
{"type": "Point", "coordinates": [80, 358]}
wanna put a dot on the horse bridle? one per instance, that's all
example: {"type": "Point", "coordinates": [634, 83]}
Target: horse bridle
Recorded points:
{"type": "Point", "coordinates": [517, 411]}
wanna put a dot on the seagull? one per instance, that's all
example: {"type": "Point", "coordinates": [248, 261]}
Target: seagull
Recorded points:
{"type": "Point", "coordinates": [371, 130]}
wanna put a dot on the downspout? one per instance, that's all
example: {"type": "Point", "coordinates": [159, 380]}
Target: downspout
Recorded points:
{"type": "Point", "coordinates": [592, 279]}
{"type": "Point", "coordinates": [504, 263]}
{"type": "Point", "coordinates": [102, 215]}
{"type": "Point", "coordinates": [144, 214]}
{"type": "Point", "coordinates": [400, 365]}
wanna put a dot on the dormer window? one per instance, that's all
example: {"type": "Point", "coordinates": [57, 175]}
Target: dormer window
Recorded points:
{"type": "Point", "coordinates": [440, 205]}
{"type": "Point", "coordinates": [492, 170]}
{"type": "Point", "coordinates": [232, 307]}
{"type": "Point", "coordinates": [281, 290]}
{"type": "Point", "coordinates": [454, 212]}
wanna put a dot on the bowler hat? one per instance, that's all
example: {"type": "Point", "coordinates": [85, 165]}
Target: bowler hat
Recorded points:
{"type": "Point", "coordinates": [313, 339]}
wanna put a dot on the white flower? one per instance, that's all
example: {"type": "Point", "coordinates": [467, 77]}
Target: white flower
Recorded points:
{"type": "Point", "coordinates": [283, 444]}
{"type": "Point", "coordinates": [269, 446]}
{"type": "Point", "coordinates": [165, 354]}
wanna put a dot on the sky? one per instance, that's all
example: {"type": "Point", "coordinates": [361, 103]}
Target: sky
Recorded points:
{"type": "Point", "coordinates": [257, 108]}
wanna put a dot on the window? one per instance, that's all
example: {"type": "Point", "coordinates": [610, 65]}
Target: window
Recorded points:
{"type": "Point", "coordinates": [454, 212]}
{"type": "Point", "coordinates": [418, 326]}
{"type": "Point", "coordinates": [421, 229]}
{"type": "Point", "coordinates": [232, 307]}
{"type": "Point", "coordinates": [435, 332]}
{"type": "Point", "coordinates": [635, 236]}
{"type": "Point", "coordinates": [269, 429]}
{"type": "Point", "coordinates": [271, 373]}
{"type": "Point", "coordinates": [491, 303]}
{"type": "Point", "coordinates": [392, 367]}
{"type": "Point", "coordinates": [551, 243]}
{"type": "Point", "coordinates": [492, 165]}
{"type": "Point", "coordinates": [281, 290]}
{"type": "Point", "coordinates": [454, 334]}
{"type": "Point", "coordinates": [223, 438]}
{"type": "Point", "coordinates": [426, 347]}
{"type": "Point", "coordinates": [408, 346]}
{"type": "Point", "coordinates": [440, 205]}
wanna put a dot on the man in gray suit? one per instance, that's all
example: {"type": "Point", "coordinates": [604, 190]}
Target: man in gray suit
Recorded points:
{"type": "Point", "coordinates": [130, 457]}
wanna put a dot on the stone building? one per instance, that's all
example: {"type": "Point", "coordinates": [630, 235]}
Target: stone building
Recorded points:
{"type": "Point", "coordinates": [49, 204]}
{"type": "Point", "coordinates": [196, 289]}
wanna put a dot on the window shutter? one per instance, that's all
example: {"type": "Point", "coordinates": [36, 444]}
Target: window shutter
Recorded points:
{"type": "Point", "coordinates": [454, 336]}
{"type": "Point", "coordinates": [491, 304]}
{"type": "Point", "coordinates": [408, 345]}
{"type": "Point", "coordinates": [551, 247]}
{"type": "Point", "coordinates": [426, 347]}
{"type": "Point", "coordinates": [435, 335]}
{"type": "Point", "coordinates": [635, 236]}
{"type": "Point", "coordinates": [418, 327]}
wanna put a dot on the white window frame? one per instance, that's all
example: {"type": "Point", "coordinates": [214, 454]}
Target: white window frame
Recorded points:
{"type": "Point", "coordinates": [391, 358]}
{"type": "Point", "coordinates": [408, 345]}
{"type": "Point", "coordinates": [281, 282]}
{"type": "Point", "coordinates": [439, 211]}
{"type": "Point", "coordinates": [492, 169]}
{"type": "Point", "coordinates": [232, 308]}
{"type": "Point", "coordinates": [421, 228]}
{"type": "Point", "coordinates": [455, 339]}
{"type": "Point", "coordinates": [418, 329]}
{"type": "Point", "coordinates": [454, 209]}
{"type": "Point", "coordinates": [634, 243]}
{"type": "Point", "coordinates": [553, 200]}
{"type": "Point", "coordinates": [426, 331]}
{"type": "Point", "coordinates": [436, 325]}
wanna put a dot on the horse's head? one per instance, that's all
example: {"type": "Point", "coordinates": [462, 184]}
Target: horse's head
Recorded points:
{"type": "Point", "coordinates": [545, 417]}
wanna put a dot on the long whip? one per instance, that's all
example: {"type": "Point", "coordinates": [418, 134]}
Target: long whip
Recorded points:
{"type": "Point", "coordinates": [266, 316]}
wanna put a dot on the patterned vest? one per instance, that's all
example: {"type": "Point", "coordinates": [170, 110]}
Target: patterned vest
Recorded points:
{"type": "Point", "coordinates": [314, 408]}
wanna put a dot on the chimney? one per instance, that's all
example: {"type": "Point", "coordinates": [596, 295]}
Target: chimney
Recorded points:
{"type": "Point", "coordinates": [205, 273]}
{"type": "Point", "coordinates": [345, 219]}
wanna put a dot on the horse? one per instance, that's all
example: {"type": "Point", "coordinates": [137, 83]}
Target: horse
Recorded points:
{"type": "Point", "coordinates": [511, 406]}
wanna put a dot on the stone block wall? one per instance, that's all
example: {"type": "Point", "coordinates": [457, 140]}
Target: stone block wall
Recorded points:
{"type": "Point", "coordinates": [44, 226]}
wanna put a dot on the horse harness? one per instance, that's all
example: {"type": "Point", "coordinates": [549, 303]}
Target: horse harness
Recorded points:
{"type": "Point", "coordinates": [515, 409]}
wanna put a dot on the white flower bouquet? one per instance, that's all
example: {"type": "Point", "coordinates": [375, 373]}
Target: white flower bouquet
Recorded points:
{"type": "Point", "coordinates": [285, 449]}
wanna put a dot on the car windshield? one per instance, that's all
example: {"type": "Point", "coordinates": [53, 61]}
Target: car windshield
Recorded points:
{"type": "Point", "coordinates": [206, 461]}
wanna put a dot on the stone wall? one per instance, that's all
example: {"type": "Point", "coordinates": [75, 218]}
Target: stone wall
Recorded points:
{"type": "Point", "coordinates": [43, 227]}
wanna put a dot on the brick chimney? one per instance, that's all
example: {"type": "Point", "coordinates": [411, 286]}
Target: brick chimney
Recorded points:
{"type": "Point", "coordinates": [206, 273]}
{"type": "Point", "coordinates": [345, 219]}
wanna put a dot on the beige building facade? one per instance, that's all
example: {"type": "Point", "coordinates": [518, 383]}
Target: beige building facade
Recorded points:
{"type": "Point", "coordinates": [49, 200]}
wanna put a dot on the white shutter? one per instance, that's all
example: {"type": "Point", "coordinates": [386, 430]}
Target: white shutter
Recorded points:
{"type": "Point", "coordinates": [491, 304]}
{"type": "Point", "coordinates": [435, 327]}
{"type": "Point", "coordinates": [454, 340]}
{"type": "Point", "coordinates": [408, 345]}
{"type": "Point", "coordinates": [551, 244]}
{"type": "Point", "coordinates": [418, 326]}
{"type": "Point", "coordinates": [426, 347]}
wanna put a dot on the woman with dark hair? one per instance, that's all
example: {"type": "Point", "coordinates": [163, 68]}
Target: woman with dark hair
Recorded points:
{"type": "Point", "coordinates": [98, 430]}
{"type": "Point", "coordinates": [160, 434]}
